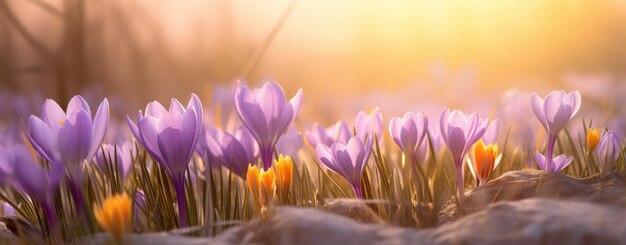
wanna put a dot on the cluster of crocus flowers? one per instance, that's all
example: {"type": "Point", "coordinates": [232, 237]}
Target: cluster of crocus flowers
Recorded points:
{"type": "Point", "coordinates": [267, 114]}
{"type": "Point", "coordinates": [262, 184]}
{"type": "Point", "coordinates": [553, 113]}
{"type": "Point", "coordinates": [66, 139]}
{"type": "Point", "coordinates": [607, 152]}
{"type": "Point", "coordinates": [460, 132]}
{"type": "Point", "coordinates": [170, 136]}
{"type": "Point", "coordinates": [114, 216]}
{"type": "Point", "coordinates": [347, 159]}
{"type": "Point", "coordinates": [484, 160]}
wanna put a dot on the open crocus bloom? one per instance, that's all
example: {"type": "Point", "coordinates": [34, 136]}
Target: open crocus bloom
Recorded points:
{"type": "Point", "coordinates": [553, 113]}
{"type": "Point", "coordinates": [170, 136]}
{"type": "Point", "coordinates": [347, 159]}
{"type": "Point", "coordinates": [68, 138]}
{"type": "Point", "coordinates": [267, 114]}
{"type": "Point", "coordinates": [339, 132]}
{"type": "Point", "coordinates": [484, 160]}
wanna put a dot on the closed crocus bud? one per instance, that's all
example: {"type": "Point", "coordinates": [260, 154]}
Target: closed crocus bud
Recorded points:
{"type": "Point", "coordinates": [607, 152]}
{"type": "Point", "coordinates": [262, 184]}
{"type": "Point", "coordinates": [253, 177]}
{"type": "Point", "coordinates": [284, 172]}
{"type": "Point", "coordinates": [367, 125]}
{"type": "Point", "coordinates": [593, 138]}
{"type": "Point", "coordinates": [114, 216]}
{"type": "Point", "coordinates": [408, 132]}
{"type": "Point", "coordinates": [485, 160]}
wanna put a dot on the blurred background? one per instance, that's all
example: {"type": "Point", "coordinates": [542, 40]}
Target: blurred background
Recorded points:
{"type": "Point", "coordinates": [397, 55]}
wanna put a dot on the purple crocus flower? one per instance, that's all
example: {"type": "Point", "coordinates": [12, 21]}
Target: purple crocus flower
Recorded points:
{"type": "Point", "coordinates": [460, 132]}
{"type": "Point", "coordinates": [366, 124]}
{"type": "Point", "coordinates": [122, 154]}
{"type": "Point", "coordinates": [554, 112]}
{"type": "Point", "coordinates": [235, 152]}
{"type": "Point", "coordinates": [291, 143]}
{"type": "Point", "coordinates": [170, 136]}
{"type": "Point", "coordinates": [267, 114]}
{"type": "Point", "coordinates": [8, 210]}
{"type": "Point", "coordinates": [69, 138]}
{"type": "Point", "coordinates": [408, 132]}
{"type": "Point", "coordinates": [347, 159]}
{"type": "Point", "coordinates": [491, 135]}
{"type": "Point", "coordinates": [30, 178]}
{"type": "Point", "coordinates": [339, 132]}
{"type": "Point", "coordinates": [607, 152]}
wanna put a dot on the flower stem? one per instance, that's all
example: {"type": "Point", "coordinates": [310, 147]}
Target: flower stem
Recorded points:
{"type": "Point", "coordinates": [358, 192]}
{"type": "Point", "coordinates": [459, 181]}
{"type": "Point", "coordinates": [53, 224]}
{"type": "Point", "coordinates": [78, 198]}
{"type": "Point", "coordinates": [179, 186]}
{"type": "Point", "coordinates": [549, 152]}
{"type": "Point", "coordinates": [267, 157]}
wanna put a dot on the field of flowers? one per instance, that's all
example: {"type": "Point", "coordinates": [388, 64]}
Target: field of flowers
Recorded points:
{"type": "Point", "coordinates": [70, 172]}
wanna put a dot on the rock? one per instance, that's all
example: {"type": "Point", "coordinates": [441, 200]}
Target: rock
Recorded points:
{"type": "Point", "coordinates": [530, 221]}
{"type": "Point", "coordinates": [289, 225]}
{"type": "Point", "coordinates": [537, 221]}
{"type": "Point", "coordinates": [14, 229]}
{"type": "Point", "coordinates": [354, 209]}
{"type": "Point", "coordinates": [518, 185]}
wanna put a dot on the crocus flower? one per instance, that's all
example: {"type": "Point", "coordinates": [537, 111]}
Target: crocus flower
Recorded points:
{"type": "Point", "coordinates": [460, 132]}
{"type": "Point", "coordinates": [366, 125]}
{"type": "Point", "coordinates": [112, 154]}
{"type": "Point", "coordinates": [491, 134]}
{"type": "Point", "coordinates": [408, 132]}
{"type": "Point", "coordinates": [69, 138]}
{"type": "Point", "coordinates": [267, 114]}
{"type": "Point", "coordinates": [593, 138]}
{"type": "Point", "coordinates": [339, 132]}
{"type": "Point", "coordinates": [347, 159]}
{"type": "Point", "coordinates": [114, 216]}
{"type": "Point", "coordinates": [235, 152]}
{"type": "Point", "coordinates": [284, 172]}
{"type": "Point", "coordinates": [554, 112]}
{"type": "Point", "coordinates": [262, 184]}
{"type": "Point", "coordinates": [30, 178]}
{"type": "Point", "coordinates": [484, 160]}
{"type": "Point", "coordinates": [290, 143]}
{"type": "Point", "coordinates": [607, 152]}
{"type": "Point", "coordinates": [170, 136]}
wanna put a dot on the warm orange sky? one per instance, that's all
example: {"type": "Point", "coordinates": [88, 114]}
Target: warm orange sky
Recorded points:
{"type": "Point", "coordinates": [327, 45]}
